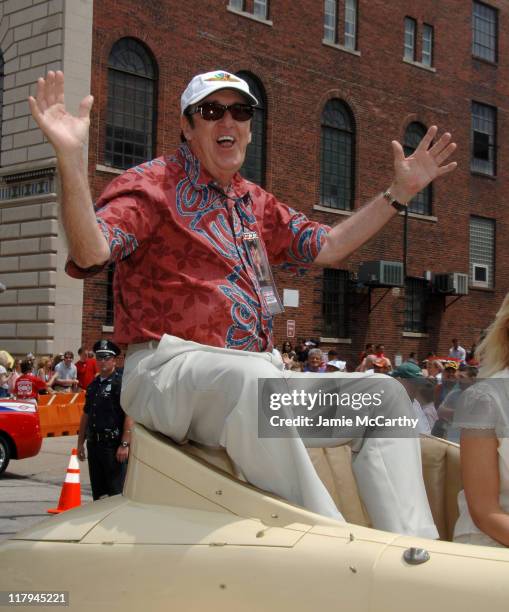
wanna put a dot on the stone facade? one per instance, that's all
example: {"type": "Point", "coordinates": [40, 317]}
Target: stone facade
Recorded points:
{"type": "Point", "coordinates": [41, 310]}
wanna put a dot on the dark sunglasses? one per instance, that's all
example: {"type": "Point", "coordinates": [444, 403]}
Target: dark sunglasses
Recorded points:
{"type": "Point", "coordinates": [103, 357]}
{"type": "Point", "coordinates": [213, 111]}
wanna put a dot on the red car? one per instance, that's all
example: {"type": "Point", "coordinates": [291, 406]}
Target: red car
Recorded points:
{"type": "Point", "coordinates": [20, 431]}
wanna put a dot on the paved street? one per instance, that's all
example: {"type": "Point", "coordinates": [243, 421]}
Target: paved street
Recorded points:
{"type": "Point", "coordinates": [30, 486]}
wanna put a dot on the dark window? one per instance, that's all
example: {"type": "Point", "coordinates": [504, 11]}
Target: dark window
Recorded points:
{"type": "Point", "coordinates": [254, 164]}
{"type": "Point", "coordinates": [416, 297]}
{"type": "Point", "coordinates": [334, 304]}
{"type": "Point", "coordinates": [1, 92]}
{"type": "Point", "coordinates": [427, 45]}
{"type": "Point", "coordinates": [409, 41]}
{"type": "Point", "coordinates": [337, 156]}
{"type": "Point", "coordinates": [484, 31]}
{"type": "Point", "coordinates": [130, 121]}
{"type": "Point", "coordinates": [258, 8]}
{"type": "Point", "coordinates": [109, 295]}
{"type": "Point", "coordinates": [484, 139]}
{"type": "Point", "coordinates": [422, 202]}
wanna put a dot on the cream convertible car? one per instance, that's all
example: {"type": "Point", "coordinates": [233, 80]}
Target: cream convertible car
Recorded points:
{"type": "Point", "coordinates": [188, 535]}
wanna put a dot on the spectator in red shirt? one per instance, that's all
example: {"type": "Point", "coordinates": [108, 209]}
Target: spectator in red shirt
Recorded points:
{"type": "Point", "coordinates": [86, 367]}
{"type": "Point", "coordinates": [28, 385]}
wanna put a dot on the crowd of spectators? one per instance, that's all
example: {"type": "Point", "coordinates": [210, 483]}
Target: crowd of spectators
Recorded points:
{"type": "Point", "coordinates": [25, 378]}
{"type": "Point", "coordinates": [434, 384]}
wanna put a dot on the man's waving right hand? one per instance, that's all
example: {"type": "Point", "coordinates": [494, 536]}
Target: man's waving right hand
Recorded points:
{"type": "Point", "coordinates": [67, 133]}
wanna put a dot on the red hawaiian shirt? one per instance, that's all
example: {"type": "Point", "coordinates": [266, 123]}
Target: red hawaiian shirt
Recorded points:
{"type": "Point", "coordinates": [181, 264]}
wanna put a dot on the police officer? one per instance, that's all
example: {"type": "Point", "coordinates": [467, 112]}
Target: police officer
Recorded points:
{"type": "Point", "coordinates": [105, 425]}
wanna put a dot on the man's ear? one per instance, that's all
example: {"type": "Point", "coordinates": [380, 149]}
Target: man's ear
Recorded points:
{"type": "Point", "coordinates": [186, 127]}
{"type": "Point", "coordinates": [250, 137]}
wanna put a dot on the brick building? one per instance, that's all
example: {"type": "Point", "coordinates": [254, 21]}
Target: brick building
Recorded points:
{"type": "Point", "coordinates": [338, 80]}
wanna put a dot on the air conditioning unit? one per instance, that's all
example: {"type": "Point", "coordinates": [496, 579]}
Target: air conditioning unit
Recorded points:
{"type": "Point", "coordinates": [453, 283]}
{"type": "Point", "coordinates": [381, 273]}
{"type": "Point", "coordinates": [480, 275]}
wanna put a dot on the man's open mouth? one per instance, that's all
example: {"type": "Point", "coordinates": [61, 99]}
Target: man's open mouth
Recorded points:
{"type": "Point", "coordinates": [225, 141]}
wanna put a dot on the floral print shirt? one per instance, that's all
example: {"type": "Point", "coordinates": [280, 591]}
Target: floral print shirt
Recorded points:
{"type": "Point", "coordinates": [181, 263]}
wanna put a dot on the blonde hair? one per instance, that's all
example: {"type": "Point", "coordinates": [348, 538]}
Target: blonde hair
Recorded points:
{"type": "Point", "coordinates": [43, 361]}
{"type": "Point", "coordinates": [493, 351]}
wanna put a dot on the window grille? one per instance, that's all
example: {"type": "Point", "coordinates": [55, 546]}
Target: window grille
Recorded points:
{"type": "Point", "coordinates": [484, 139]}
{"type": "Point", "coordinates": [335, 303]}
{"type": "Point", "coordinates": [261, 9]}
{"type": "Point", "coordinates": [254, 165]}
{"type": "Point", "coordinates": [351, 24]}
{"type": "Point", "coordinates": [427, 45]}
{"type": "Point", "coordinates": [416, 298]}
{"type": "Point", "coordinates": [422, 202]}
{"type": "Point", "coordinates": [409, 41]}
{"type": "Point", "coordinates": [109, 295]}
{"type": "Point", "coordinates": [330, 21]}
{"type": "Point", "coordinates": [337, 156]}
{"type": "Point", "coordinates": [130, 119]}
{"type": "Point", "coordinates": [484, 31]}
{"type": "Point", "coordinates": [482, 249]}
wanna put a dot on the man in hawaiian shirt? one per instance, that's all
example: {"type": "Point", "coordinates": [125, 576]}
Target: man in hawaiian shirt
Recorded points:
{"type": "Point", "coordinates": [190, 304]}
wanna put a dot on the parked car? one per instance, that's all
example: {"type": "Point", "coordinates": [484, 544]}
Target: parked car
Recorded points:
{"type": "Point", "coordinates": [187, 534]}
{"type": "Point", "coordinates": [20, 431]}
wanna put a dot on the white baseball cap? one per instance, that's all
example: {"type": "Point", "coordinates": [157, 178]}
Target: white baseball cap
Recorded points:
{"type": "Point", "coordinates": [202, 85]}
{"type": "Point", "coordinates": [336, 363]}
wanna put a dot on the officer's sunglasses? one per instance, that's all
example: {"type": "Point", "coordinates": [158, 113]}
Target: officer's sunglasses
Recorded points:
{"type": "Point", "coordinates": [103, 357]}
{"type": "Point", "coordinates": [213, 111]}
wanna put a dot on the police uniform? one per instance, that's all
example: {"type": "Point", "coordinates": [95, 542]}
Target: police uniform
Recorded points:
{"type": "Point", "coordinates": [104, 429]}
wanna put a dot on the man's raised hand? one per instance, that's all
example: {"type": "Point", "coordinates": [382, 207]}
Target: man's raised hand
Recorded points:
{"type": "Point", "coordinates": [67, 133]}
{"type": "Point", "coordinates": [415, 172]}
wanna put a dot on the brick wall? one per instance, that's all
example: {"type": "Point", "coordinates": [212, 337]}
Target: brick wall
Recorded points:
{"type": "Point", "coordinates": [300, 73]}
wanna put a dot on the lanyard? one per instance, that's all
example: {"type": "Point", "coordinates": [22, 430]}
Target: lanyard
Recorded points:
{"type": "Point", "coordinates": [257, 255]}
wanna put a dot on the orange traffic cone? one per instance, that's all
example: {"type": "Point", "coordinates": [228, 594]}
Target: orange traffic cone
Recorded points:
{"type": "Point", "coordinates": [70, 497]}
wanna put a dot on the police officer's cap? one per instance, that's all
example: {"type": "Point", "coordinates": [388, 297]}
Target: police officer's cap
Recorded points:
{"type": "Point", "coordinates": [106, 347]}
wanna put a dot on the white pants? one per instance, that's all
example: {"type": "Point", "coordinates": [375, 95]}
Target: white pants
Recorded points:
{"type": "Point", "coordinates": [187, 390]}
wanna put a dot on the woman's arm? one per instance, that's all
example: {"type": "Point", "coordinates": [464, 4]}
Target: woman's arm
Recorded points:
{"type": "Point", "coordinates": [481, 481]}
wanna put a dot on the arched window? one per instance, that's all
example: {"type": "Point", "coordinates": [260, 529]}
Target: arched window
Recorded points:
{"type": "Point", "coordinates": [421, 203]}
{"type": "Point", "coordinates": [1, 92]}
{"type": "Point", "coordinates": [337, 156]}
{"type": "Point", "coordinates": [254, 164]}
{"type": "Point", "coordinates": [130, 121]}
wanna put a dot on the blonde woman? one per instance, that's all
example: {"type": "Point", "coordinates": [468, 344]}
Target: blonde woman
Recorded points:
{"type": "Point", "coordinates": [14, 375]}
{"type": "Point", "coordinates": [45, 370]}
{"type": "Point", "coordinates": [484, 419]}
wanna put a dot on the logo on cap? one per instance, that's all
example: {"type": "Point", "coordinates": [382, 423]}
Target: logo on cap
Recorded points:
{"type": "Point", "coordinates": [223, 76]}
